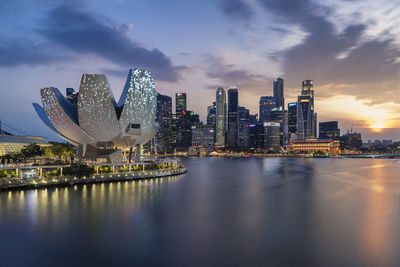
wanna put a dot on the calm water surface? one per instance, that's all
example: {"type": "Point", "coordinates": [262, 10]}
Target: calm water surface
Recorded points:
{"type": "Point", "coordinates": [223, 212]}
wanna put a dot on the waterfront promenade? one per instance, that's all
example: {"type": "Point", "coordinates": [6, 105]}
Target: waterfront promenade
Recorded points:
{"type": "Point", "coordinates": [69, 180]}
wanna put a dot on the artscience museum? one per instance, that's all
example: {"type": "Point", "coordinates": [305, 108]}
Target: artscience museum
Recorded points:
{"type": "Point", "coordinates": [93, 121]}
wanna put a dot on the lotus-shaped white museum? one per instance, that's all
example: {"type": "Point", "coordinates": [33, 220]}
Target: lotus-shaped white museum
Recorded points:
{"type": "Point", "coordinates": [96, 120]}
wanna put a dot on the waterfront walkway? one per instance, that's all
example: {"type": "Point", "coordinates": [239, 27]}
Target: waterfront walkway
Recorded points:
{"type": "Point", "coordinates": [31, 183]}
{"type": "Point", "coordinates": [372, 156]}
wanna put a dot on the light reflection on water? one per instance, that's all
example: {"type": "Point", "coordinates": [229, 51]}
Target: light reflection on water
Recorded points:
{"type": "Point", "coordinates": [52, 207]}
{"type": "Point", "coordinates": [246, 212]}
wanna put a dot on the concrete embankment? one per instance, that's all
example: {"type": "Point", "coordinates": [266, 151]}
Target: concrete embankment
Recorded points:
{"type": "Point", "coordinates": [19, 184]}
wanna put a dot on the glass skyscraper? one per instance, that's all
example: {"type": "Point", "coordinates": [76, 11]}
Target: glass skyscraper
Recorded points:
{"type": "Point", "coordinates": [272, 136]}
{"type": "Point", "coordinates": [221, 117]}
{"type": "Point", "coordinates": [256, 136]}
{"type": "Point", "coordinates": [292, 118]}
{"type": "Point", "coordinates": [233, 118]}
{"type": "Point", "coordinates": [308, 90]}
{"type": "Point", "coordinates": [180, 102]}
{"type": "Point", "coordinates": [244, 121]}
{"type": "Point", "coordinates": [187, 120]}
{"type": "Point", "coordinates": [278, 93]}
{"type": "Point", "coordinates": [304, 118]}
{"type": "Point", "coordinates": [164, 139]}
{"type": "Point", "coordinates": [329, 130]}
{"type": "Point", "coordinates": [181, 125]}
{"type": "Point", "coordinates": [266, 105]}
{"type": "Point", "coordinates": [211, 115]}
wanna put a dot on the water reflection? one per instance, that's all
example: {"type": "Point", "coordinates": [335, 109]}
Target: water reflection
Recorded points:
{"type": "Point", "coordinates": [223, 212]}
{"type": "Point", "coordinates": [44, 209]}
{"type": "Point", "coordinates": [376, 229]}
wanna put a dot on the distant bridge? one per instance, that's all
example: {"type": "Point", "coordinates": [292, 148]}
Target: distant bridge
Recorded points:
{"type": "Point", "coordinates": [372, 156]}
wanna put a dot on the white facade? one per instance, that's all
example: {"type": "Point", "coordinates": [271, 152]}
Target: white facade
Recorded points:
{"type": "Point", "coordinates": [139, 106]}
{"type": "Point", "coordinates": [97, 117]}
{"type": "Point", "coordinates": [96, 108]}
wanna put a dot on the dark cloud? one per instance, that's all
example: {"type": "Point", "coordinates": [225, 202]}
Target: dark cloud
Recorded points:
{"type": "Point", "coordinates": [329, 57]}
{"type": "Point", "coordinates": [332, 58]}
{"type": "Point", "coordinates": [236, 8]}
{"type": "Point", "coordinates": [84, 34]}
{"type": "Point", "coordinates": [22, 52]}
{"type": "Point", "coordinates": [71, 33]}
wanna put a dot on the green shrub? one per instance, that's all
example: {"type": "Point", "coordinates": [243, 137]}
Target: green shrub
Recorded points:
{"type": "Point", "coordinates": [5, 173]}
{"type": "Point", "coordinates": [123, 169]}
{"type": "Point", "coordinates": [78, 170]}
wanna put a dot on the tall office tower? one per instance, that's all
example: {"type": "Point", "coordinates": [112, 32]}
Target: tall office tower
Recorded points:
{"type": "Point", "coordinates": [211, 115]}
{"type": "Point", "coordinates": [184, 123]}
{"type": "Point", "coordinates": [304, 118]}
{"type": "Point", "coordinates": [272, 136]}
{"type": "Point", "coordinates": [233, 118]}
{"type": "Point", "coordinates": [256, 136]}
{"type": "Point", "coordinates": [244, 121]}
{"type": "Point", "coordinates": [221, 117]}
{"type": "Point", "coordinates": [277, 115]}
{"type": "Point", "coordinates": [266, 105]}
{"type": "Point", "coordinates": [285, 128]}
{"type": "Point", "coordinates": [180, 109]}
{"type": "Point", "coordinates": [307, 89]}
{"type": "Point", "coordinates": [189, 119]}
{"type": "Point", "coordinates": [180, 102]}
{"type": "Point", "coordinates": [329, 130]}
{"type": "Point", "coordinates": [174, 130]}
{"type": "Point", "coordinates": [292, 118]}
{"type": "Point", "coordinates": [278, 93]}
{"type": "Point", "coordinates": [163, 139]}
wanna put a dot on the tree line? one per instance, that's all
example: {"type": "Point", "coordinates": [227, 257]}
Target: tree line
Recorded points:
{"type": "Point", "coordinates": [55, 151]}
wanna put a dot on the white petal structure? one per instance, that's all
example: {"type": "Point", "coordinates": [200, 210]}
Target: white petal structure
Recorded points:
{"type": "Point", "coordinates": [96, 108]}
{"type": "Point", "coordinates": [42, 114]}
{"type": "Point", "coordinates": [62, 115]}
{"type": "Point", "coordinates": [97, 118]}
{"type": "Point", "coordinates": [139, 104]}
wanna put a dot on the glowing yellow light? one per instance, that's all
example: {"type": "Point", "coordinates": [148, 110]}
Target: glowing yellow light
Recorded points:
{"type": "Point", "coordinates": [377, 127]}
{"type": "Point", "coordinates": [378, 124]}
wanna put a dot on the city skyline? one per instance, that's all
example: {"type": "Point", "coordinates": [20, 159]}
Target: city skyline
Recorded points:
{"type": "Point", "coordinates": [232, 46]}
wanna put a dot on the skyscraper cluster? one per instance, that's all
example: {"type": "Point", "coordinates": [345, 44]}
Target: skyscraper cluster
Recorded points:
{"type": "Point", "coordinates": [175, 129]}
{"type": "Point", "coordinates": [231, 127]}
{"type": "Point", "coordinates": [237, 130]}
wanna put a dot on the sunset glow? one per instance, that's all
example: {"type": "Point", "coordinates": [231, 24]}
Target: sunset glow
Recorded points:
{"type": "Point", "coordinates": [378, 126]}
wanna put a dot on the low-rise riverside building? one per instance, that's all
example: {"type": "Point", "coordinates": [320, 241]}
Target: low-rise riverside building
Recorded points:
{"type": "Point", "coordinates": [314, 145]}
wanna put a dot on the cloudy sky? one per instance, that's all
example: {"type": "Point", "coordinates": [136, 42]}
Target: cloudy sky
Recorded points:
{"type": "Point", "coordinates": [350, 48]}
